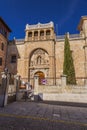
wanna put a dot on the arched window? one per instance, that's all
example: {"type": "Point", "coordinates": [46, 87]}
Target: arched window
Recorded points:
{"type": "Point", "coordinates": [36, 33]}
{"type": "Point", "coordinates": [30, 34]}
{"type": "Point", "coordinates": [41, 33]}
{"type": "Point", "coordinates": [48, 32]}
{"type": "Point", "coordinates": [2, 46]}
{"type": "Point", "coordinates": [13, 59]}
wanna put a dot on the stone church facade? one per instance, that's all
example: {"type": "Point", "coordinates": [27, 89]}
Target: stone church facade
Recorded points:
{"type": "Point", "coordinates": [41, 53]}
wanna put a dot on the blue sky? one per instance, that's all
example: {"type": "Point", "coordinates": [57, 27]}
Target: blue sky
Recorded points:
{"type": "Point", "coordinates": [64, 13]}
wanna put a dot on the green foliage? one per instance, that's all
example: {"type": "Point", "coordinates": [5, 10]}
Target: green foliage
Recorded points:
{"type": "Point", "coordinates": [68, 66]}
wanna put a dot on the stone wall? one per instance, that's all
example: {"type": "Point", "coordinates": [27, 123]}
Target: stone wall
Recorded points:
{"type": "Point", "coordinates": [78, 55]}
{"type": "Point", "coordinates": [65, 97]}
{"type": "Point", "coordinates": [63, 94]}
{"type": "Point", "coordinates": [3, 53]}
{"type": "Point", "coordinates": [61, 89]}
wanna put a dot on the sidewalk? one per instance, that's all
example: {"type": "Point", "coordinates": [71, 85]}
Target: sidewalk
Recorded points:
{"type": "Point", "coordinates": [40, 116]}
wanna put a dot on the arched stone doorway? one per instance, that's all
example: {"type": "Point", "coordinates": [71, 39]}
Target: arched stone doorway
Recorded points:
{"type": "Point", "coordinates": [38, 64]}
{"type": "Point", "coordinates": [41, 77]}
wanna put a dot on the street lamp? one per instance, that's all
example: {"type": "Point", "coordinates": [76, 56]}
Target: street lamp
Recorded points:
{"type": "Point", "coordinates": [5, 84]}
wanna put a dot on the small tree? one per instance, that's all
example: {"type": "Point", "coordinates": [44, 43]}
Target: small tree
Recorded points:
{"type": "Point", "coordinates": [68, 66]}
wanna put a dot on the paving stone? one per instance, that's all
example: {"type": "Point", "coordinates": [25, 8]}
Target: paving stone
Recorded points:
{"type": "Point", "coordinates": [40, 116]}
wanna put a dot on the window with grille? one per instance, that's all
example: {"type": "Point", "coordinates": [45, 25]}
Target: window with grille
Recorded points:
{"type": "Point", "coordinates": [0, 61]}
{"type": "Point", "coordinates": [13, 59]}
{"type": "Point", "coordinates": [2, 46]}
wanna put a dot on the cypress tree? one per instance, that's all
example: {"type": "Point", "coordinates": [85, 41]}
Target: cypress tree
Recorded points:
{"type": "Point", "coordinates": [68, 66]}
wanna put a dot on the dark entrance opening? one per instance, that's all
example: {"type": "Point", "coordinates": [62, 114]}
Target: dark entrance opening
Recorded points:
{"type": "Point", "coordinates": [41, 77]}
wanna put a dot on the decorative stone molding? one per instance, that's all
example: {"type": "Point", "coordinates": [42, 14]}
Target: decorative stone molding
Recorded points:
{"type": "Point", "coordinates": [39, 25]}
{"type": "Point", "coordinates": [39, 57]}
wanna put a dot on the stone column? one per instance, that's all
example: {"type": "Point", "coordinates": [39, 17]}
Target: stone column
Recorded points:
{"type": "Point", "coordinates": [38, 34]}
{"type": "Point", "coordinates": [52, 70]}
{"type": "Point", "coordinates": [36, 80]}
{"type": "Point", "coordinates": [51, 33]}
{"type": "Point", "coordinates": [32, 35]}
{"type": "Point", "coordinates": [63, 80]}
{"type": "Point", "coordinates": [17, 84]}
{"type": "Point", "coordinates": [26, 37]}
{"type": "Point", "coordinates": [44, 34]}
{"type": "Point", "coordinates": [4, 93]}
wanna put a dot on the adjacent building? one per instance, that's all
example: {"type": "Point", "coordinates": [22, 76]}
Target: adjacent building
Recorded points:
{"type": "Point", "coordinates": [4, 34]}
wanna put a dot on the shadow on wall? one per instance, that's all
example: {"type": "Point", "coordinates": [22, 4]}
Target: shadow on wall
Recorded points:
{"type": "Point", "coordinates": [12, 57]}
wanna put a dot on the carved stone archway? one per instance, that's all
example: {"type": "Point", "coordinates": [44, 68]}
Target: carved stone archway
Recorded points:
{"type": "Point", "coordinates": [39, 62]}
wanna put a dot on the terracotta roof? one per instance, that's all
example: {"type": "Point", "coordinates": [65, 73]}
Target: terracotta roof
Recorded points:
{"type": "Point", "coordinates": [5, 24]}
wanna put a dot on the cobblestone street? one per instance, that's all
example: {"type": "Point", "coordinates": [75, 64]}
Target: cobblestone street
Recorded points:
{"type": "Point", "coordinates": [41, 116]}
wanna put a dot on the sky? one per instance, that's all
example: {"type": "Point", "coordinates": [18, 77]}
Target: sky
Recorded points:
{"type": "Point", "coordinates": [65, 14]}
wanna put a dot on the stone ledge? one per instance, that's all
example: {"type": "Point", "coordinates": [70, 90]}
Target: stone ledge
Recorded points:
{"type": "Point", "coordinates": [65, 97]}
